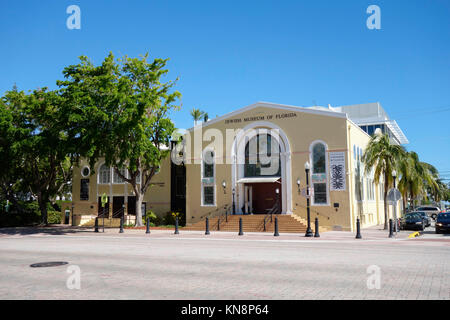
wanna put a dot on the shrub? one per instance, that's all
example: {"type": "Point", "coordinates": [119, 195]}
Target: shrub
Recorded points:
{"type": "Point", "coordinates": [53, 217]}
{"type": "Point", "coordinates": [169, 219]}
{"type": "Point", "coordinates": [31, 215]}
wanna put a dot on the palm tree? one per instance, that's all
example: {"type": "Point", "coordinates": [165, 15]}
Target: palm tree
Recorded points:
{"type": "Point", "coordinates": [433, 184]}
{"type": "Point", "coordinates": [383, 157]}
{"type": "Point", "coordinates": [196, 115]}
{"type": "Point", "coordinates": [205, 116]}
{"type": "Point", "coordinates": [417, 178]}
{"type": "Point", "coordinates": [412, 177]}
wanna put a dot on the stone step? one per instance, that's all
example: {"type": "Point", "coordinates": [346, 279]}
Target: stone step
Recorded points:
{"type": "Point", "coordinates": [251, 223]}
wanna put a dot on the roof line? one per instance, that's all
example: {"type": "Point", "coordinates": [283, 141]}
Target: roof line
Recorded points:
{"type": "Point", "coordinates": [272, 105]}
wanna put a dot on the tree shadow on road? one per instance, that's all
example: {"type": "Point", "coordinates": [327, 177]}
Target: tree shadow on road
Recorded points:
{"type": "Point", "coordinates": [50, 230]}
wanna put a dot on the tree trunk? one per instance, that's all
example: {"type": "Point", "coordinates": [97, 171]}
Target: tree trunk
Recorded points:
{"type": "Point", "coordinates": [43, 208]}
{"type": "Point", "coordinates": [386, 187]}
{"type": "Point", "coordinates": [385, 210]}
{"type": "Point", "coordinates": [139, 199]}
{"type": "Point", "coordinates": [404, 202]}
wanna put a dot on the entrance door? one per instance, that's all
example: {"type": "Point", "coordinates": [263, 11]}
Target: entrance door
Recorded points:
{"type": "Point", "coordinates": [118, 203]}
{"type": "Point", "coordinates": [131, 205]}
{"type": "Point", "coordinates": [264, 197]}
{"type": "Point", "coordinates": [178, 189]}
{"type": "Point", "coordinates": [103, 212]}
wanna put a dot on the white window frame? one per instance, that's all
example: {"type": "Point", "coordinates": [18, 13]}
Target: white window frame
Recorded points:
{"type": "Point", "coordinates": [114, 175]}
{"type": "Point", "coordinates": [211, 184]}
{"type": "Point", "coordinates": [82, 169]}
{"type": "Point", "coordinates": [99, 181]}
{"type": "Point", "coordinates": [372, 190]}
{"type": "Point", "coordinates": [363, 191]}
{"type": "Point", "coordinates": [327, 183]}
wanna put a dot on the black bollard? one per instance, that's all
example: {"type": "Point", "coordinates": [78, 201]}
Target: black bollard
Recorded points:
{"type": "Point", "coordinates": [316, 228]}
{"type": "Point", "coordinates": [147, 222]}
{"type": "Point", "coordinates": [264, 224]}
{"type": "Point", "coordinates": [276, 234]}
{"type": "Point", "coordinates": [218, 224]}
{"type": "Point", "coordinates": [226, 216]}
{"type": "Point", "coordinates": [241, 233]}
{"type": "Point", "coordinates": [391, 228]}
{"type": "Point", "coordinates": [96, 224]}
{"type": "Point", "coordinates": [121, 224]}
{"type": "Point", "coordinates": [176, 226]}
{"type": "Point", "coordinates": [358, 229]}
{"type": "Point", "coordinates": [207, 226]}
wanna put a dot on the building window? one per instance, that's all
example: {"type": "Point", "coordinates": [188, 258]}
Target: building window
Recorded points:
{"type": "Point", "coordinates": [319, 176]}
{"type": "Point", "coordinates": [84, 189]}
{"type": "Point", "coordinates": [208, 178]}
{"type": "Point", "coordinates": [369, 189]}
{"type": "Point", "coordinates": [138, 178]}
{"type": "Point", "coordinates": [208, 165]}
{"type": "Point", "coordinates": [208, 195]}
{"type": "Point", "coordinates": [117, 178]}
{"type": "Point", "coordinates": [104, 175]}
{"type": "Point", "coordinates": [319, 158]}
{"type": "Point", "coordinates": [262, 157]}
{"type": "Point", "coordinates": [85, 172]}
{"type": "Point", "coordinates": [320, 193]}
{"type": "Point", "coordinates": [362, 189]}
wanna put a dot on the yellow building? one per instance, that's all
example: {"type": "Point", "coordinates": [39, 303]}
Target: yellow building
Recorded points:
{"type": "Point", "coordinates": [253, 161]}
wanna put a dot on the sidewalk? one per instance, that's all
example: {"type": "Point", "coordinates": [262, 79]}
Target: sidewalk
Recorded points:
{"type": "Point", "coordinates": [371, 233]}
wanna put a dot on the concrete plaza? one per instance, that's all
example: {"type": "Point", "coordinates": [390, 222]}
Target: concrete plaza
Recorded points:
{"type": "Point", "coordinates": [135, 265]}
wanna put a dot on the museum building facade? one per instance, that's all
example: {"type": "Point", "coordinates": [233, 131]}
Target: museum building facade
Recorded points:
{"type": "Point", "coordinates": [260, 159]}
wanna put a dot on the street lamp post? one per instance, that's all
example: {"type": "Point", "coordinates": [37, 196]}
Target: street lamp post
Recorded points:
{"type": "Point", "coordinates": [277, 191]}
{"type": "Point", "coordinates": [309, 232]}
{"type": "Point", "coordinates": [234, 205]}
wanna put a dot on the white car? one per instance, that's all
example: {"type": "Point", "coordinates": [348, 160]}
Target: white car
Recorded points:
{"type": "Point", "coordinates": [430, 210]}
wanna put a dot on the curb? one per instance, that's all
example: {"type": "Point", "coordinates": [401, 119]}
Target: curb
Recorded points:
{"type": "Point", "coordinates": [414, 234]}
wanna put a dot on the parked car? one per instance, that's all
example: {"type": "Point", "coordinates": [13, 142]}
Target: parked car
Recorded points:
{"type": "Point", "coordinates": [425, 217]}
{"type": "Point", "coordinates": [443, 222]}
{"type": "Point", "coordinates": [430, 210]}
{"type": "Point", "coordinates": [413, 221]}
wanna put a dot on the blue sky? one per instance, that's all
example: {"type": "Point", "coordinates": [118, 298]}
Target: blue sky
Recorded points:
{"type": "Point", "coordinates": [229, 54]}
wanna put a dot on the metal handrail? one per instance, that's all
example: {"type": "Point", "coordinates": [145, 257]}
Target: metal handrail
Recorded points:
{"type": "Point", "coordinates": [270, 214]}
{"type": "Point", "coordinates": [115, 214]}
{"type": "Point", "coordinates": [221, 215]}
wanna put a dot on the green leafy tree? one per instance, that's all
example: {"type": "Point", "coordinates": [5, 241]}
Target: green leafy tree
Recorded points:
{"type": "Point", "coordinates": [383, 157]}
{"type": "Point", "coordinates": [9, 157]}
{"type": "Point", "coordinates": [120, 111]}
{"type": "Point", "coordinates": [39, 148]}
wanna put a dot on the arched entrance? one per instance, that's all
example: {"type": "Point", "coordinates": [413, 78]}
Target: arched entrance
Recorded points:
{"type": "Point", "coordinates": [261, 169]}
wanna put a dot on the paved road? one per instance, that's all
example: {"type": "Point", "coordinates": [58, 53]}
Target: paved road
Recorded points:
{"type": "Point", "coordinates": [223, 266]}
